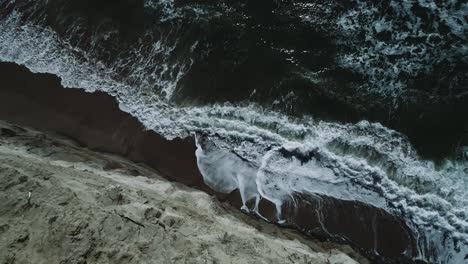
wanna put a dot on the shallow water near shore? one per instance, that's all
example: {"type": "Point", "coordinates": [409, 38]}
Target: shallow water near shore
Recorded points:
{"type": "Point", "coordinates": [265, 154]}
{"type": "Point", "coordinates": [64, 203]}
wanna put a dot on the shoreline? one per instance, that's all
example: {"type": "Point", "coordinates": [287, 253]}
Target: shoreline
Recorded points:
{"type": "Point", "coordinates": [62, 203]}
{"type": "Point", "coordinates": [95, 121]}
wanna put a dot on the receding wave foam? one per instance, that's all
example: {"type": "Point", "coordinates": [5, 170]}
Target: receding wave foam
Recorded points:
{"type": "Point", "coordinates": [268, 155]}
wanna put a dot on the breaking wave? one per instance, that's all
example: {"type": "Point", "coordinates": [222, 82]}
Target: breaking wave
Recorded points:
{"type": "Point", "coordinates": [270, 155]}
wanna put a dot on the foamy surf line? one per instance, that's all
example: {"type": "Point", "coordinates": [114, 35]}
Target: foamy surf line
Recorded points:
{"type": "Point", "coordinates": [268, 155]}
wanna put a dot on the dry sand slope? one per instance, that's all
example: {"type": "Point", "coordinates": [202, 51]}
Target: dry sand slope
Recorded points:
{"type": "Point", "coordinates": [60, 203]}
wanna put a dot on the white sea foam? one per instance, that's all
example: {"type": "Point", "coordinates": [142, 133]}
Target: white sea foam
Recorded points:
{"type": "Point", "coordinates": [364, 162]}
{"type": "Point", "coordinates": [395, 41]}
{"type": "Point", "coordinates": [166, 6]}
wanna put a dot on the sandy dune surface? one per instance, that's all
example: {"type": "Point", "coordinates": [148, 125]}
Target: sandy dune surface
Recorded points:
{"type": "Point", "coordinates": [61, 203]}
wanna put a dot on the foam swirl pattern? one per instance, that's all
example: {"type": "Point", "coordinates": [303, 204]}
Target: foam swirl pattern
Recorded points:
{"type": "Point", "coordinates": [270, 155]}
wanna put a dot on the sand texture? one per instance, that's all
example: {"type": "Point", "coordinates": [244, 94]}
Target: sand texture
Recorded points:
{"type": "Point", "coordinates": [61, 203]}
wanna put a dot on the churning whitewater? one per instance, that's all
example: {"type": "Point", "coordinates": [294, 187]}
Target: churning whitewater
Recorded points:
{"type": "Point", "coordinates": [267, 154]}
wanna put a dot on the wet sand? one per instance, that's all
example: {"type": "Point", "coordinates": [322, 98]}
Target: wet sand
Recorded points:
{"type": "Point", "coordinates": [62, 203]}
{"type": "Point", "coordinates": [95, 121]}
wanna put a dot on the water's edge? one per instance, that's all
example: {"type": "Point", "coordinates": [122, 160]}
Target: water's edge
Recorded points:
{"type": "Point", "coordinates": [96, 122]}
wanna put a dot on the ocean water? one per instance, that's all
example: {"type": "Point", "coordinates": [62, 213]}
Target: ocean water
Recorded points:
{"type": "Point", "coordinates": [269, 154]}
